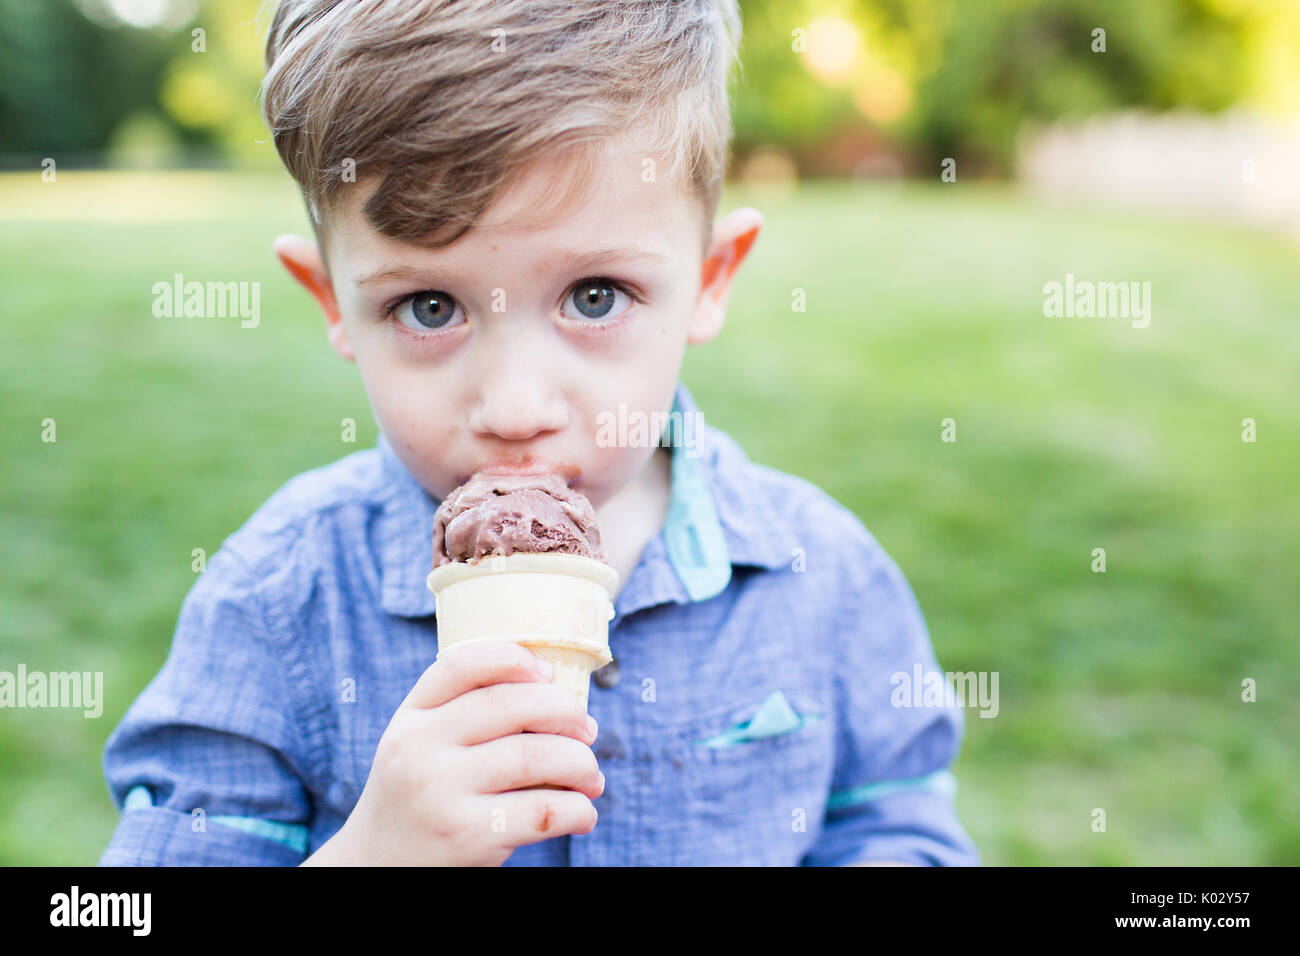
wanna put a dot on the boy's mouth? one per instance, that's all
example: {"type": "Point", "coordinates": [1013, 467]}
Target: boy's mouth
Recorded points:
{"type": "Point", "coordinates": [527, 463]}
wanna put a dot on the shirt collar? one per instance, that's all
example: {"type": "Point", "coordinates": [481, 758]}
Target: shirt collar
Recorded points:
{"type": "Point", "coordinates": [717, 518]}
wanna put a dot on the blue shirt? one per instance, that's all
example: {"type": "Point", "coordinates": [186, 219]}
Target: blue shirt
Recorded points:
{"type": "Point", "coordinates": [752, 722]}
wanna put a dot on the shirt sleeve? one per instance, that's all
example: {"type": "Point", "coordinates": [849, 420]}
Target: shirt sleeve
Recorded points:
{"type": "Point", "coordinates": [207, 763]}
{"type": "Point", "coordinates": [892, 791]}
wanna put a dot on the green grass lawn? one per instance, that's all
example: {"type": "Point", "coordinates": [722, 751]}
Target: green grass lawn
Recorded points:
{"type": "Point", "coordinates": [1119, 691]}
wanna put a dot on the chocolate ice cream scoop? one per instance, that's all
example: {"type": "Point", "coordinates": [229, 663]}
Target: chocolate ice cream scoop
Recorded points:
{"type": "Point", "coordinates": [503, 514]}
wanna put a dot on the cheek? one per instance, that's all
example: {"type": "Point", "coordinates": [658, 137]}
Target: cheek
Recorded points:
{"type": "Point", "coordinates": [614, 396]}
{"type": "Point", "coordinates": [652, 348]}
{"type": "Point", "coordinates": [640, 384]}
{"type": "Point", "coordinates": [608, 469]}
{"type": "Point", "coordinates": [401, 396]}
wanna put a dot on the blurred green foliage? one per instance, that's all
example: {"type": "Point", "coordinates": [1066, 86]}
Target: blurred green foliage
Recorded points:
{"type": "Point", "coordinates": [66, 84]}
{"type": "Point", "coordinates": [931, 78]}
{"type": "Point", "coordinates": [999, 63]}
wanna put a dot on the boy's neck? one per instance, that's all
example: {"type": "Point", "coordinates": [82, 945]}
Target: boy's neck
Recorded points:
{"type": "Point", "coordinates": [636, 513]}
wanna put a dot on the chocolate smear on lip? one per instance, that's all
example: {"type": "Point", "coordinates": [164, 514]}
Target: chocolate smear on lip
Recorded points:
{"type": "Point", "coordinates": [499, 514]}
{"type": "Point", "coordinates": [530, 465]}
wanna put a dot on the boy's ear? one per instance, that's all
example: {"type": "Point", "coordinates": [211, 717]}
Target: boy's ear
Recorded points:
{"type": "Point", "coordinates": [732, 236]}
{"type": "Point", "coordinates": [303, 260]}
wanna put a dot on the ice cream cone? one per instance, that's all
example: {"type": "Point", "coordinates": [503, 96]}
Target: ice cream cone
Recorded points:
{"type": "Point", "coordinates": [557, 605]}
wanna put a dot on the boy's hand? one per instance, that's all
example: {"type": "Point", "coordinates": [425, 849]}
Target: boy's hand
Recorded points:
{"type": "Point", "coordinates": [445, 785]}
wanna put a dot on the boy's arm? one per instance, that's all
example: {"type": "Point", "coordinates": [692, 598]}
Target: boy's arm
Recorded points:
{"type": "Point", "coordinates": [207, 764]}
{"type": "Point", "coordinates": [891, 793]}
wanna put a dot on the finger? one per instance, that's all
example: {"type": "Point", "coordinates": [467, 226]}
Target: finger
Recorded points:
{"type": "Point", "coordinates": [531, 760]}
{"type": "Point", "coordinates": [463, 667]}
{"type": "Point", "coordinates": [529, 816]}
{"type": "Point", "coordinates": [501, 710]}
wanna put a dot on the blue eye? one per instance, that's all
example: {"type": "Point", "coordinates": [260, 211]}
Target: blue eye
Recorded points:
{"type": "Point", "coordinates": [598, 298]}
{"type": "Point", "coordinates": [427, 311]}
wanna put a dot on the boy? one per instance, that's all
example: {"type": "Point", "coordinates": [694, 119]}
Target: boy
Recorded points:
{"type": "Point", "coordinates": [513, 207]}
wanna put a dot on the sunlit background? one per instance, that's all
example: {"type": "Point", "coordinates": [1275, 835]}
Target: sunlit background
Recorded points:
{"type": "Point", "coordinates": [925, 167]}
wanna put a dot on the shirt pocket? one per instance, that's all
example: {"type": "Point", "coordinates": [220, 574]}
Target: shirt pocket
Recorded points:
{"type": "Point", "coordinates": [770, 791]}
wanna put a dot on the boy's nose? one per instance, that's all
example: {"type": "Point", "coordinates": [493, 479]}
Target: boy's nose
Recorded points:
{"type": "Point", "coordinates": [518, 400]}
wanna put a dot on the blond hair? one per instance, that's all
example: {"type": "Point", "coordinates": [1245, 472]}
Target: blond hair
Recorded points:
{"type": "Point", "coordinates": [446, 102]}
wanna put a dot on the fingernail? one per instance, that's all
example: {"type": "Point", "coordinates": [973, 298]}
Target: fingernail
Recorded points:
{"type": "Point", "coordinates": [602, 780]}
{"type": "Point", "coordinates": [545, 668]}
{"type": "Point", "coordinates": [592, 729]}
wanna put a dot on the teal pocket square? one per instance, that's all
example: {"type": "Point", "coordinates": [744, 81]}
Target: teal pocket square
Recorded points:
{"type": "Point", "coordinates": [774, 717]}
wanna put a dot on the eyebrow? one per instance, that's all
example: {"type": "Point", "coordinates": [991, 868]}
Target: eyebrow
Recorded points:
{"type": "Point", "coordinates": [561, 259]}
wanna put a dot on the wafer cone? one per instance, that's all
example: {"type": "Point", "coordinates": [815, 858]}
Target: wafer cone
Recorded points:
{"type": "Point", "coordinates": [557, 605]}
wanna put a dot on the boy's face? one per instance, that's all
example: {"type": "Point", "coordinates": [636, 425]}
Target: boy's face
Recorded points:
{"type": "Point", "coordinates": [502, 350]}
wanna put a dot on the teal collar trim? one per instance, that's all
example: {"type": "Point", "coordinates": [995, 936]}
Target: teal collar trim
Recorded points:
{"type": "Point", "coordinates": [693, 538]}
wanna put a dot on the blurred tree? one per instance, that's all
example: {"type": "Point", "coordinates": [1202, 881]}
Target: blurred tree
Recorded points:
{"type": "Point", "coordinates": [213, 90]}
{"type": "Point", "coordinates": [1002, 62]}
{"type": "Point", "coordinates": [954, 78]}
{"type": "Point", "coordinates": [65, 82]}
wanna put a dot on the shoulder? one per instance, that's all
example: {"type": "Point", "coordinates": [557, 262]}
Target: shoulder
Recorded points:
{"type": "Point", "coordinates": [314, 505]}
{"type": "Point", "coordinates": [819, 556]}
{"type": "Point", "coordinates": [761, 501]}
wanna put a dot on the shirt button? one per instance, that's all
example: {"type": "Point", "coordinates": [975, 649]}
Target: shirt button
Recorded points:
{"type": "Point", "coordinates": [607, 676]}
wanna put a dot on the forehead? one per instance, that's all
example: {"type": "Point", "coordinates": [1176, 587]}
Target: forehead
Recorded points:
{"type": "Point", "coordinates": [620, 199]}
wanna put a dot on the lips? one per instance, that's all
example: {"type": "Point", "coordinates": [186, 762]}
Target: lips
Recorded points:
{"type": "Point", "coordinates": [527, 463]}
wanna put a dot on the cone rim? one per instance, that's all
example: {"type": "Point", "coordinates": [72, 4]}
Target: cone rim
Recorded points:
{"type": "Point", "coordinates": [525, 562]}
